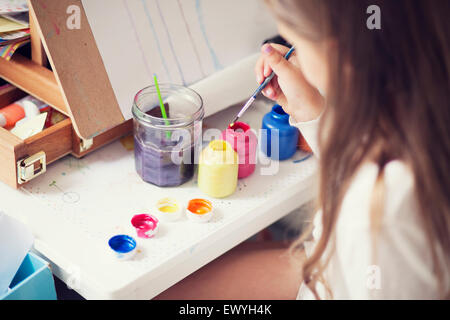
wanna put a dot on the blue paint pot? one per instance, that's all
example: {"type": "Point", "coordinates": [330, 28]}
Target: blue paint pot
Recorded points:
{"type": "Point", "coordinates": [123, 246]}
{"type": "Point", "coordinates": [278, 138]}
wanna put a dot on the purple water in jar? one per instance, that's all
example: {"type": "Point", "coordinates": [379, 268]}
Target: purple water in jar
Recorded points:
{"type": "Point", "coordinates": [165, 149]}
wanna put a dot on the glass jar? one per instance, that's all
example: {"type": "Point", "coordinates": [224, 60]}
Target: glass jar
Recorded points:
{"type": "Point", "coordinates": [165, 149]}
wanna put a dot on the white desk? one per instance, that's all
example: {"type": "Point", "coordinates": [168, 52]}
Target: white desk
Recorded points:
{"type": "Point", "coordinates": [77, 205]}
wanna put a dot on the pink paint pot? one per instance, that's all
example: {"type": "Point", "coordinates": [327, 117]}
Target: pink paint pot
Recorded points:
{"type": "Point", "coordinates": [244, 142]}
{"type": "Point", "coordinates": [146, 225]}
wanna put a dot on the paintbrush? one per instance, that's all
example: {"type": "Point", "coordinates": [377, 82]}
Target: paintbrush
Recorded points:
{"type": "Point", "coordinates": [161, 105]}
{"type": "Point", "coordinates": [259, 89]}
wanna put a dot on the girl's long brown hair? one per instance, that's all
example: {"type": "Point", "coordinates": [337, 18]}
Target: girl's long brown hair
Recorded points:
{"type": "Point", "coordinates": [389, 99]}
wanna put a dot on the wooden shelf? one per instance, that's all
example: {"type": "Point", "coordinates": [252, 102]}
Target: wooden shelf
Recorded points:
{"type": "Point", "coordinates": [34, 79]}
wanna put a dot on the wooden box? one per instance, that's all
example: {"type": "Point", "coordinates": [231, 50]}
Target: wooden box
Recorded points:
{"type": "Point", "coordinates": [76, 85]}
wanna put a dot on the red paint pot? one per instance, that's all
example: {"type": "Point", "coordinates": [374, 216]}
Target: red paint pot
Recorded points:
{"type": "Point", "coordinates": [146, 225]}
{"type": "Point", "coordinates": [244, 142]}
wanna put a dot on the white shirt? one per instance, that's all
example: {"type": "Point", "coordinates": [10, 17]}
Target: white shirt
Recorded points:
{"type": "Point", "coordinates": [403, 268]}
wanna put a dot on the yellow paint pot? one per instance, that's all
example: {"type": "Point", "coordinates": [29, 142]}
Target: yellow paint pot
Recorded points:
{"type": "Point", "coordinates": [218, 169]}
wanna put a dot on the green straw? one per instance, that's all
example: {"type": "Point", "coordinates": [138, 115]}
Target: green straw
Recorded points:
{"type": "Point", "coordinates": [161, 104]}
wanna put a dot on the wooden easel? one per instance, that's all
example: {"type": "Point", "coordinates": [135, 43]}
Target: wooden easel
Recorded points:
{"type": "Point", "coordinates": [76, 85]}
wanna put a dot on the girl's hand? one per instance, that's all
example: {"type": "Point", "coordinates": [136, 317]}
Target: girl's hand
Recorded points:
{"type": "Point", "coordinates": [288, 88]}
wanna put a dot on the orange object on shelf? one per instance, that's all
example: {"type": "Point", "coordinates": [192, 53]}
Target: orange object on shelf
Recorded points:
{"type": "Point", "coordinates": [199, 206]}
{"type": "Point", "coordinates": [11, 114]}
{"type": "Point", "coordinates": [199, 210]}
{"type": "Point", "coordinates": [302, 144]}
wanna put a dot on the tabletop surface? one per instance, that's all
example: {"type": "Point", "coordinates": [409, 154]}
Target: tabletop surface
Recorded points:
{"type": "Point", "coordinates": [78, 204]}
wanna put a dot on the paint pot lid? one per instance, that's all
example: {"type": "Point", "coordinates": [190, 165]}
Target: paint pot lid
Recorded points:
{"type": "Point", "coordinates": [199, 206]}
{"type": "Point", "coordinates": [144, 221]}
{"type": "Point", "coordinates": [122, 243]}
{"type": "Point", "coordinates": [168, 209]}
{"type": "Point", "coordinates": [199, 210]}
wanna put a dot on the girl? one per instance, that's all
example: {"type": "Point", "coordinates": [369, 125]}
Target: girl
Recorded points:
{"type": "Point", "coordinates": [373, 104]}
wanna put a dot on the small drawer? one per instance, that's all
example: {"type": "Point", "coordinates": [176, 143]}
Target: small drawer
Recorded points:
{"type": "Point", "coordinates": [20, 160]}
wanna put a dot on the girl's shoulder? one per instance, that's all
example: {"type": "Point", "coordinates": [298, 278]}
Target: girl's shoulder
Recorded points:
{"type": "Point", "coordinates": [397, 196]}
{"type": "Point", "coordinates": [399, 204]}
{"type": "Point", "coordinates": [398, 250]}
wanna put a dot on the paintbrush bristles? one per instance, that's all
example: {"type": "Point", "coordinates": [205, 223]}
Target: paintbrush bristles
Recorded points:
{"type": "Point", "coordinates": [234, 121]}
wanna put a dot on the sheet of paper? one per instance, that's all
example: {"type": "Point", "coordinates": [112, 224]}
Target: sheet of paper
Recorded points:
{"type": "Point", "coordinates": [10, 6]}
{"type": "Point", "coordinates": [7, 51]}
{"type": "Point", "coordinates": [13, 36]}
{"type": "Point", "coordinates": [228, 86]}
{"type": "Point", "coordinates": [182, 41]}
{"type": "Point", "coordinates": [7, 25]}
{"type": "Point", "coordinates": [29, 127]}
{"type": "Point", "coordinates": [15, 242]}
{"type": "Point", "coordinates": [21, 17]}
